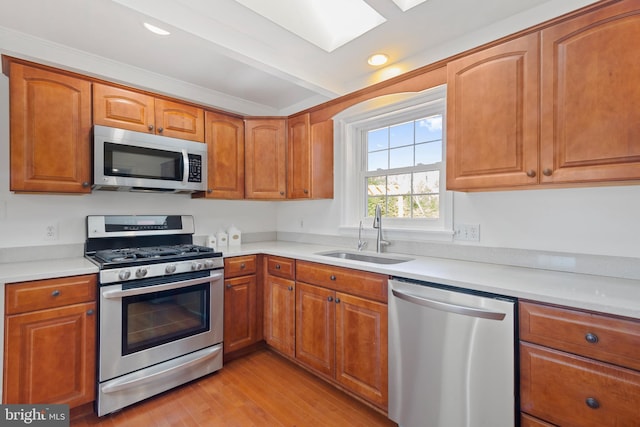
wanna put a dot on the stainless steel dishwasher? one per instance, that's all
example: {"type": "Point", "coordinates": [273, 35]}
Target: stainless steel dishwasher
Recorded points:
{"type": "Point", "coordinates": [451, 357]}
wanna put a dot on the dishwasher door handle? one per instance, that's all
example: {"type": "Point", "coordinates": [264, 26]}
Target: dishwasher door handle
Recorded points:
{"type": "Point", "coordinates": [451, 308]}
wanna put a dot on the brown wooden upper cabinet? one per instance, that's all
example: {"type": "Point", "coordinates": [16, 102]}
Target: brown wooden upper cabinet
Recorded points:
{"type": "Point", "coordinates": [265, 159]}
{"type": "Point", "coordinates": [224, 136]}
{"type": "Point", "coordinates": [137, 111]}
{"type": "Point", "coordinates": [492, 117]}
{"type": "Point", "coordinates": [50, 119]}
{"type": "Point", "coordinates": [575, 122]}
{"type": "Point", "coordinates": [310, 159]}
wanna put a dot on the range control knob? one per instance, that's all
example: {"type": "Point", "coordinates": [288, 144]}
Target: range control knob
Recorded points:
{"type": "Point", "coordinates": [196, 266]}
{"type": "Point", "coordinates": [170, 269]}
{"type": "Point", "coordinates": [141, 272]}
{"type": "Point", "coordinates": [208, 263]}
{"type": "Point", "coordinates": [124, 274]}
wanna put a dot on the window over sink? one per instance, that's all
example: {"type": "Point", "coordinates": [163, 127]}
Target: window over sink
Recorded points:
{"type": "Point", "coordinates": [394, 155]}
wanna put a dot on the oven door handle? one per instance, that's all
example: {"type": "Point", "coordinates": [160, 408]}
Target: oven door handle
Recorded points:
{"type": "Point", "coordinates": [117, 293]}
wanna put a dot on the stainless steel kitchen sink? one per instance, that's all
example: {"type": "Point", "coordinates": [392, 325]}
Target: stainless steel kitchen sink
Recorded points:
{"type": "Point", "coordinates": [365, 257]}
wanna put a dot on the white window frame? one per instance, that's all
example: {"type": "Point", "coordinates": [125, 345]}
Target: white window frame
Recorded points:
{"type": "Point", "coordinates": [350, 128]}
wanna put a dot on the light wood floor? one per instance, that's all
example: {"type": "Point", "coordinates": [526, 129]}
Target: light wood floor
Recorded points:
{"type": "Point", "coordinates": [262, 389]}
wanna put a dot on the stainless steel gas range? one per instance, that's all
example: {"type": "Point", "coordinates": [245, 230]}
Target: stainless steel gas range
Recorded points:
{"type": "Point", "coordinates": [160, 306]}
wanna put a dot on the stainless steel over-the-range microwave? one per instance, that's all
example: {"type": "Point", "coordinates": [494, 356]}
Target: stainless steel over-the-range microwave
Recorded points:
{"type": "Point", "coordinates": [124, 160]}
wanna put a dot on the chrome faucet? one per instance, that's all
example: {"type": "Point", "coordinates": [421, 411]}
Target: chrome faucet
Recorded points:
{"type": "Point", "coordinates": [361, 243]}
{"type": "Point", "coordinates": [377, 223]}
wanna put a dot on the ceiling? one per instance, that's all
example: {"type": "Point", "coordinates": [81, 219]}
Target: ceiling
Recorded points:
{"type": "Point", "coordinates": [222, 54]}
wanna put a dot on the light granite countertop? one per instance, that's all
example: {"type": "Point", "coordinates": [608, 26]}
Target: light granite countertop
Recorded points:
{"type": "Point", "coordinates": [598, 293]}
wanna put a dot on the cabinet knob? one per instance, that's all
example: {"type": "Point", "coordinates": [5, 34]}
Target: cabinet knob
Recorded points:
{"type": "Point", "coordinates": [282, 193]}
{"type": "Point", "coordinates": [150, 127]}
{"type": "Point", "coordinates": [305, 191]}
{"type": "Point", "coordinates": [160, 130]}
{"type": "Point", "coordinates": [85, 184]}
{"type": "Point", "coordinates": [591, 338]}
{"type": "Point", "coordinates": [277, 266]}
{"type": "Point", "coordinates": [228, 285]}
{"type": "Point", "coordinates": [90, 312]}
{"type": "Point", "coordinates": [332, 277]}
{"type": "Point", "coordinates": [242, 265]}
{"type": "Point", "coordinates": [290, 288]}
{"type": "Point", "coordinates": [531, 173]}
{"type": "Point", "coordinates": [329, 299]}
{"type": "Point", "coordinates": [337, 300]}
{"type": "Point", "coordinates": [209, 190]}
{"type": "Point", "coordinates": [55, 293]}
{"type": "Point", "coordinates": [547, 172]}
{"type": "Point", "coordinates": [592, 403]}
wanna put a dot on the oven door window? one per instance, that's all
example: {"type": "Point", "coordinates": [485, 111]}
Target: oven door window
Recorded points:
{"type": "Point", "coordinates": [141, 162]}
{"type": "Point", "coordinates": [156, 318]}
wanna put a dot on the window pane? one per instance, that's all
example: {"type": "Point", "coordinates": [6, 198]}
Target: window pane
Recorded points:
{"type": "Point", "coordinates": [401, 157]}
{"type": "Point", "coordinates": [426, 206]}
{"type": "Point", "coordinates": [399, 206]}
{"type": "Point", "coordinates": [426, 182]}
{"type": "Point", "coordinates": [401, 135]}
{"type": "Point", "coordinates": [399, 184]}
{"type": "Point", "coordinates": [371, 205]}
{"type": "Point", "coordinates": [378, 139]}
{"type": "Point", "coordinates": [429, 129]}
{"type": "Point", "coordinates": [378, 160]}
{"type": "Point", "coordinates": [376, 185]}
{"type": "Point", "coordinates": [429, 153]}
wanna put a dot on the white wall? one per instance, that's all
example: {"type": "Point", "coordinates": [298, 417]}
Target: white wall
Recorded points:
{"type": "Point", "coordinates": [24, 217]}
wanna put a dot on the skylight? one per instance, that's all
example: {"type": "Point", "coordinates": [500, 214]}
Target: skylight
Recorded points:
{"type": "Point", "coordinates": [327, 24]}
{"type": "Point", "coordinates": [405, 5]}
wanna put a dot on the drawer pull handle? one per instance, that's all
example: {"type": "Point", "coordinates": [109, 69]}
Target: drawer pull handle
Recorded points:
{"type": "Point", "coordinates": [290, 288]}
{"type": "Point", "coordinates": [55, 293]}
{"type": "Point", "coordinates": [332, 277]}
{"type": "Point", "coordinates": [329, 299]}
{"type": "Point", "coordinates": [592, 403]}
{"type": "Point", "coordinates": [277, 266]}
{"type": "Point", "coordinates": [591, 338]}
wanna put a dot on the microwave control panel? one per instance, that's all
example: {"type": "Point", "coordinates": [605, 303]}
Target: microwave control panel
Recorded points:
{"type": "Point", "coordinates": [195, 168]}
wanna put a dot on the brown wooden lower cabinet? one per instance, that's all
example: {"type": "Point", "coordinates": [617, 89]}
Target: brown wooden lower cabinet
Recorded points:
{"type": "Point", "coordinates": [240, 315]}
{"type": "Point", "coordinates": [279, 312]}
{"type": "Point", "coordinates": [50, 341]}
{"type": "Point", "coordinates": [578, 368]}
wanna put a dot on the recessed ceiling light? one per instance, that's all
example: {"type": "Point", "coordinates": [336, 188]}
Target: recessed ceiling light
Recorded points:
{"type": "Point", "coordinates": [156, 30]}
{"type": "Point", "coordinates": [378, 59]}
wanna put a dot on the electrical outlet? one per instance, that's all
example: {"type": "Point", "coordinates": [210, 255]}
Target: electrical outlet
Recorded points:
{"type": "Point", "coordinates": [51, 232]}
{"type": "Point", "coordinates": [468, 232]}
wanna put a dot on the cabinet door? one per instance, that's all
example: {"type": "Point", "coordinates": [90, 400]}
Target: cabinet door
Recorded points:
{"type": "Point", "coordinates": [50, 131]}
{"type": "Point", "coordinates": [240, 316]}
{"type": "Point", "coordinates": [265, 159]}
{"type": "Point", "coordinates": [50, 356]}
{"type": "Point", "coordinates": [492, 117]}
{"type": "Point", "coordinates": [590, 97]}
{"type": "Point", "coordinates": [177, 120]}
{"type": "Point", "coordinates": [322, 160]}
{"type": "Point", "coordinates": [225, 146]}
{"type": "Point", "coordinates": [279, 312]}
{"type": "Point", "coordinates": [121, 108]}
{"type": "Point", "coordinates": [315, 328]}
{"type": "Point", "coordinates": [299, 165]}
{"type": "Point", "coordinates": [361, 347]}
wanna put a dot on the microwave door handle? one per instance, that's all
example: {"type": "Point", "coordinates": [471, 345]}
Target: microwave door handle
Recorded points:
{"type": "Point", "coordinates": [185, 167]}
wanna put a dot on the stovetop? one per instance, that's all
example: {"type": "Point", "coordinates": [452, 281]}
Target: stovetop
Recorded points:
{"type": "Point", "coordinates": [185, 251]}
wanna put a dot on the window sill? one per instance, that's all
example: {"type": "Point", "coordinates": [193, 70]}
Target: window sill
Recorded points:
{"type": "Point", "coordinates": [396, 233]}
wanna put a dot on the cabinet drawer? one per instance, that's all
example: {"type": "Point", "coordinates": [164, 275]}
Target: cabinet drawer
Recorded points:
{"type": "Point", "coordinates": [601, 337]}
{"type": "Point", "coordinates": [41, 294]}
{"type": "Point", "coordinates": [283, 267]}
{"type": "Point", "coordinates": [370, 285]}
{"type": "Point", "coordinates": [529, 421]}
{"type": "Point", "coordinates": [239, 266]}
{"type": "Point", "coordinates": [570, 390]}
